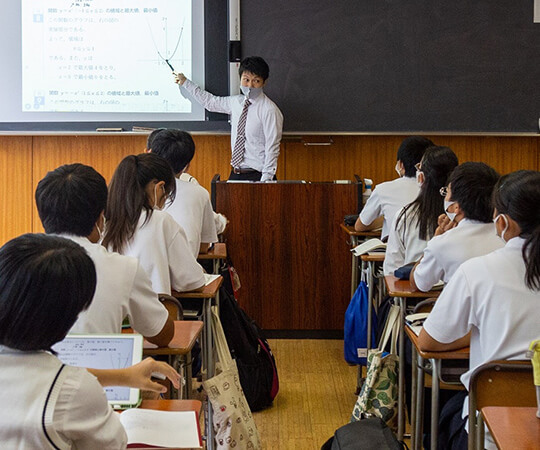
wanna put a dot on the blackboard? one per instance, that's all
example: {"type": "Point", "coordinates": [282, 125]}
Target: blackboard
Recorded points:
{"type": "Point", "coordinates": [399, 65]}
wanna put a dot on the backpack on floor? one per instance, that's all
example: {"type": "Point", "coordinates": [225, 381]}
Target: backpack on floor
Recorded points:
{"type": "Point", "coordinates": [367, 434]}
{"type": "Point", "coordinates": [255, 361]}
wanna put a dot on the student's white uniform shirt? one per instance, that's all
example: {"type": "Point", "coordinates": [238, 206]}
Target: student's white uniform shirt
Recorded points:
{"type": "Point", "coordinates": [403, 246]}
{"type": "Point", "coordinates": [161, 246]}
{"type": "Point", "coordinates": [487, 296]}
{"type": "Point", "coordinates": [76, 415]}
{"type": "Point", "coordinates": [123, 290]}
{"type": "Point", "coordinates": [263, 130]}
{"type": "Point", "coordinates": [220, 220]}
{"type": "Point", "coordinates": [446, 252]}
{"type": "Point", "coordinates": [387, 199]}
{"type": "Point", "coordinates": [193, 211]}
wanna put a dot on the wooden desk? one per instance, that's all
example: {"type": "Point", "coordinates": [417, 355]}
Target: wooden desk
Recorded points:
{"type": "Point", "coordinates": [207, 294]}
{"type": "Point", "coordinates": [417, 407]}
{"type": "Point", "coordinates": [354, 239]}
{"type": "Point", "coordinates": [513, 427]}
{"type": "Point", "coordinates": [402, 290]}
{"type": "Point", "coordinates": [186, 333]}
{"type": "Point", "coordinates": [217, 253]}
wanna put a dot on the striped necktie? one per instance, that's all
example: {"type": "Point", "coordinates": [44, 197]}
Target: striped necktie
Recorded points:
{"type": "Point", "coordinates": [240, 144]}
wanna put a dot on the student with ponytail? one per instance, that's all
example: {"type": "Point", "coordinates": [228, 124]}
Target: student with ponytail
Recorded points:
{"type": "Point", "coordinates": [492, 301]}
{"type": "Point", "coordinates": [137, 226]}
{"type": "Point", "coordinates": [415, 223]}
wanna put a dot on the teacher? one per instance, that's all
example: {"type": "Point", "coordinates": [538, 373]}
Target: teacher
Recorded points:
{"type": "Point", "coordinates": [256, 121]}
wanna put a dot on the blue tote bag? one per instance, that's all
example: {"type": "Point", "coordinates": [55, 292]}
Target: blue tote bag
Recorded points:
{"type": "Point", "coordinates": [355, 328]}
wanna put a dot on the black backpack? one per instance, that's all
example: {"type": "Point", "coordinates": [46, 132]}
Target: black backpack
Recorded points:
{"type": "Point", "coordinates": [255, 361]}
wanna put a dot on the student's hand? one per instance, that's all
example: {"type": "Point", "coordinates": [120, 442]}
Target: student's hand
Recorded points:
{"type": "Point", "coordinates": [140, 375]}
{"type": "Point", "coordinates": [444, 224]}
{"type": "Point", "coordinates": [179, 78]}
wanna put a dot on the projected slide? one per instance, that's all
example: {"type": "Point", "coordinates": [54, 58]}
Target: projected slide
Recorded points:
{"type": "Point", "coordinates": [105, 55]}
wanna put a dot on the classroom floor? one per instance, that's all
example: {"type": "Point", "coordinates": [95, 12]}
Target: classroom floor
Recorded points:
{"type": "Point", "coordinates": [316, 394]}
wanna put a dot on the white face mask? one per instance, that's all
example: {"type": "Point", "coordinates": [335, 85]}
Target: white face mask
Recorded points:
{"type": "Point", "coordinates": [101, 232]}
{"type": "Point", "coordinates": [418, 182]}
{"type": "Point", "coordinates": [450, 215]}
{"type": "Point", "coordinates": [505, 227]}
{"type": "Point", "coordinates": [251, 93]}
{"type": "Point", "coordinates": [397, 169]}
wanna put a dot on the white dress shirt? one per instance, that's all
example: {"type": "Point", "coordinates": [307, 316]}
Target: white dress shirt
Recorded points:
{"type": "Point", "coordinates": [403, 246]}
{"type": "Point", "coordinates": [76, 414]}
{"type": "Point", "coordinates": [264, 126]}
{"type": "Point", "coordinates": [446, 252]}
{"type": "Point", "coordinates": [387, 199]}
{"type": "Point", "coordinates": [161, 246]}
{"type": "Point", "coordinates": [193, 211]}
{"type": "Point", "coordinates": [123, 290]}
{"type": "Point", "coordinates": [488, 297]}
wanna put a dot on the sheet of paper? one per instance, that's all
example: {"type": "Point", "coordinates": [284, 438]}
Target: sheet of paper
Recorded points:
{"type": "Point", "coordinates": [162, 428]}
{"type": "Point", "coordinates": [208, 278]}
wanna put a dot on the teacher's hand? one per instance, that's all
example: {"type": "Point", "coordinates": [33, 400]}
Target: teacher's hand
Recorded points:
{"type": "Point", "coordinates": [179, 78]}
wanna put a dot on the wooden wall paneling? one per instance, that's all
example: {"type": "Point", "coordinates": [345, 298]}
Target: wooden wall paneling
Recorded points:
{"type": "Point", "coordinates": [292, 257]}
{"type": "Point", "coordinates": [16, 194]}
{"type": "Point", "coordinates": [103, 153]}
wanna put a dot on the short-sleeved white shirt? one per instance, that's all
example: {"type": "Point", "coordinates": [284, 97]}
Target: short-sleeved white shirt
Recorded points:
{"type": "Point", "coordinates": [192, 209]}
{"type": "Point", "coordinates": [161, 246]}
{"type": "Point", "coordinates": [387, 199]}
{"type": "Point", "coordinates": [446, 252]}
{"type": "Point", "coordinates": [123, 290]}
{"type": "Point", "coordinates": [487, 296]}
{"type": "Point", "coordinates": [220, 220]}
{"type": "Point", "coordinates": [403, 246]}
{"type": "Point", "coordinates": [76, 414]}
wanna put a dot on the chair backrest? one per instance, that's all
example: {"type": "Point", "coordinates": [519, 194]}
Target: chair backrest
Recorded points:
{"type": "Point", "coordinates": [173, 306]}
{"type": "Point", "coordinates": [503, 383]}
{"type": "Point", "coordinates": [498, 383]}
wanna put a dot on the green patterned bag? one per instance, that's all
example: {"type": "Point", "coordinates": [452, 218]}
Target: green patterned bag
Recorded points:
{"type": "Point", "coordinates": [379, 394]}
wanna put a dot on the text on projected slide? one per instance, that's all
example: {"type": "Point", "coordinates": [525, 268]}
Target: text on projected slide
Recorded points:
{"type": "Point", "coordinates": [105, 55]}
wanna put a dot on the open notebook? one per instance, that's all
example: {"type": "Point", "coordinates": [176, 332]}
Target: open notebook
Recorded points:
{"type": "Point", "coordinates": [105, 351]}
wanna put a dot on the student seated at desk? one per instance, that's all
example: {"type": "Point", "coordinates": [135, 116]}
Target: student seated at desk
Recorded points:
{"type": "Point", "coordinates": [220, 221]}
{"type": "Point", "coordinates": [416, 222]}
{"type": "Point", "coordinates": [45, 282]}
{"type": "Point", "coordinates": [71, 201]}
{"type": "Point", "coordinates": [191, 206]}
{"type": "Point", "coordinates": [389, 197]}
{"type": "Point", "coordinates": [495, 298]}
{"type": "Point", "coordinates": [465, 231]}
{"type": "Point", "coordinates": [137, 226]}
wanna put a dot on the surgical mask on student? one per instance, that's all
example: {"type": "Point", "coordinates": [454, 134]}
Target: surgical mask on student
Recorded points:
{"type": "Point", "coordinates": [418, 182]}
{"type": "Point", "coordinates": [450, 215]}
{"type": "Point", "coordinates": [251, 93]}
{"type": "Point", "coordinates": [101, 232]}
{"type": "Point", "coordinates": [505, 227]}
{"type": "Point", "coordinates": [397, 169]}
{"type": "Point", "coordinates": [156, 206]}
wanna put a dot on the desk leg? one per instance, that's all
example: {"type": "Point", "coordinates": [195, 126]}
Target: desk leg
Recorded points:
{"type": "Point", "coordinates": [354, 267]}
{"type": "Point", "coordinates": [401, 379]}
{"type": "Point", "coordinates": [419, 400]}
{"type": "Point", "coordinates": [414, 387]}
{"type": "Point", "coordinates": [371, 279]}
{"type": "Point", "coordinates": [435, 402]}
{"type": "Point", "coordinates": [208, 358]}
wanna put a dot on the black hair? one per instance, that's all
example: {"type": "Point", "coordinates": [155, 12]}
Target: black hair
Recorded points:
{"type": "Point", "coordinates": [176, 146]}
{"type": "Point", "coordinates": [410, 153]}
{"type": "Point", "coordinates": [471, 185]}
{"type": "Point", "coordinates": [127, 196]}
{"type": "Point", "coordinates": [437, 163]}
{"type": "Point", "coordinates": [256, 65]}
{"type": "Point", "coordinates": [152, 136]}
{"type": "Point", "coordinates": [70, 199]}
{"type": "Point", "coordinates": [45, 282]}
{"type": "Point", "coordinates": [518, 195]}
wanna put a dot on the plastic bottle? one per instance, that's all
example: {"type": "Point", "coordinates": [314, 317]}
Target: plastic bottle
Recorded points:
{"type": "Point", "coordinates": [368, 183]}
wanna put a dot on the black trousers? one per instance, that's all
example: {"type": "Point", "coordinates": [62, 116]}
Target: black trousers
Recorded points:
{"type": "Point", "coordinates": [250, 176]}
